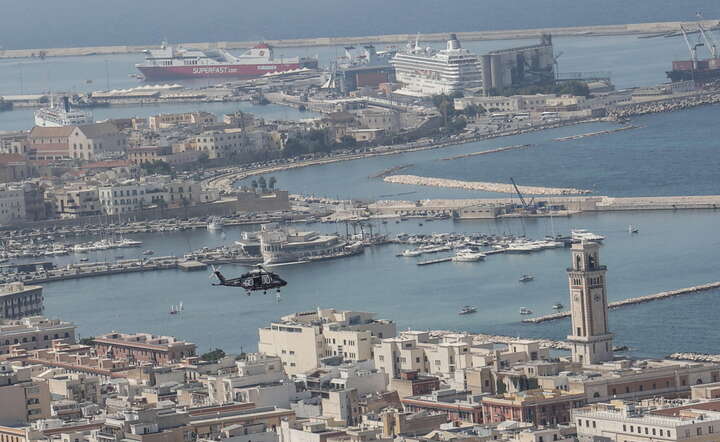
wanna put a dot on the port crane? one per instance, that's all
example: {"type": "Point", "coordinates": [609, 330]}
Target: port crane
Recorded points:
{"type": "Point", "coordinates": [710, 42]}
{"type": "Point", "coordinates": [691, 47]}
{"type": "Point", "coordinates": [526, 205]}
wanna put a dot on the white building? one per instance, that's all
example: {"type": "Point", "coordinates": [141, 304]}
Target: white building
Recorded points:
{"type": "Point", "coordinates": [425, 72]}
{"type": "Point", "coordinates": [12, 204]}
{"type": "Point", "coordinates": [619, 421]}
{"type": "Point", "coordinates": [302, 339]}
{"type": "Point", "coordinates": [126, 197]}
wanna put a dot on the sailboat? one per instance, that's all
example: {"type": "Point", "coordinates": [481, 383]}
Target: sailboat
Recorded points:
{"type": "Point", "coordinates": [633, 229]}
{"type": "Point", "coordinates": [174, 310]}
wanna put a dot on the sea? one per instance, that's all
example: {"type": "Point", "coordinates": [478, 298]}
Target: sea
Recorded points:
{"type": "Point", "coordinates": [668, 154]}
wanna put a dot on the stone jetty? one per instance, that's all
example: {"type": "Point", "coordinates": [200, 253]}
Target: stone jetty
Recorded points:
{"type": "Point", "coordinates": [482, 186]}
{"type": "Point", "coordinates": [485, 152]}
{"type": "Point", "coordinates": [633, 301]}
{"type": "Point", "coordinates": [668, 105]}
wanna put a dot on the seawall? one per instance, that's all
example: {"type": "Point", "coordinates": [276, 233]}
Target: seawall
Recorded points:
{"type": "Point", "coordinates": [587, 31]}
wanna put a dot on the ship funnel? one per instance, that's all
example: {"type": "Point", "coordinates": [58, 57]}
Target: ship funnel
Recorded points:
{"type": "Point", "coordinates": [453, 42]}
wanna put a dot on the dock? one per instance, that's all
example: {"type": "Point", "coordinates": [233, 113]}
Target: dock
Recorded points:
{"type": "Point", "coordinates": [633, 301]}
{"type": "Point", "coordinates": [192, 266]}
{"type": "Point", "coordinates": [434, 261]}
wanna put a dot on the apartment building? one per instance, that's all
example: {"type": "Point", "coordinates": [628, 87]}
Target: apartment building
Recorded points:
{"type": "Point", "coordinates": [97, 141]}
{"type": "Point", "coordinates": [77, 201]}
{"type": "Point", "coordinates": [12, 204]}
{"type": "Point", "coordinates": [22, 400]}
{"type": "Point", "coordinates": [619, 421]}
{"type": "Point", "coordinates": [33, 333]}
{"type": "Point", "coordinates": [302, 339]}
{"type": "Point", "coordinates": [18, 300]}
{"type": "Point", "coordinates": [539, 407]}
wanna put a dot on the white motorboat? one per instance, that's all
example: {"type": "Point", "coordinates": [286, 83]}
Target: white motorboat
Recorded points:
{"type": "Point", "coordinates": [585, 235]}
{"type": "Point", "coordinates": [468, 256]}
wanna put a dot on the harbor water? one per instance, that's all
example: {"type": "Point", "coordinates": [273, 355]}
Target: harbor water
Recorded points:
{"type": "Point", "coordinates": [672, 250]}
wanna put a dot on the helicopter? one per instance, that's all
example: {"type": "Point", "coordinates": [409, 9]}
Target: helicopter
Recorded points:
{"type": "Point", "coordinates": [255, 280]}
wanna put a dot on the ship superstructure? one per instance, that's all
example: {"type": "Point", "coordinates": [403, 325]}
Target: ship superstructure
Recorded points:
{"type": "Point", "coordinates": [171, 62]}
{"type": "Point", "coordinates": [426, 71]}
{"type": "Point", "coordinates": [60, 114]}
{"type": "Point", "coordinates": [280, 245]}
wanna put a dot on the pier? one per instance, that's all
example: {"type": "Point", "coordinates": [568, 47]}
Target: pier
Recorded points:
{"type": "Point", "coordinates": [434, 261]}
{"type": "Point", "coordinates": [594, 134]}
{"type": "Point", "coordinates": [485, 152]}
{"type": "Point", "coordinates": [633, 301]}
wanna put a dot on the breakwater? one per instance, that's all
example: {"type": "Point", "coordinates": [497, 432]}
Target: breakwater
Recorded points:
{"type": "Point", "coordinates": [633, 301]}
{"type": "Point", "coordinates": [390, 171]}
{"type": "Point", "coordinates": [594, 134]}
{"type": "Point", "coordinates": [695, 357]}
{"type": "Point", "coordinates": [482, 186]}
{"type": "Point", "coordinates": [485, 152]}
{"type": "Point", "coordinates": [583, 31]}
{"type": "Point", "coordinates": [667, 105]}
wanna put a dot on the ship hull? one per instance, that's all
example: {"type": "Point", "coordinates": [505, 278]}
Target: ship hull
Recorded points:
{"type": "Point", "coordinates": [699, 76]}
{"type": "Point", "coordinates": [214, 71]}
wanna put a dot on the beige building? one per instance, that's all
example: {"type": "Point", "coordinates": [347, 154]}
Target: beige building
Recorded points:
{"type": "Point", "coordinates": [33, 333]}
{"type": "Point", "coordinates": [618, 421]}
{"type": "Point", "coordinates": [12, 204]}
{"type": "Point", "coordinates": [77, 201]}
{"type": "Point", "coordinates": [165, 121]}
{"type": "Point", "coordinates": [76, 387]}
{"type": "Point", "coordinates": [16, 143]}
{"type": "Point", "coordinates": [50, 143]}
{"type": "Point", "coordinates": [18, 300]}
{"type": "Point", "coordinates": [97, 141]}
{"type": "Point", "coordinates": [302, 339]}
{"type": "Point", "coordinates": [22, 400]}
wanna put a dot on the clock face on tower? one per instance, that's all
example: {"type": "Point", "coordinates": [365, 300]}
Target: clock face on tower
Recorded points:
{"type": "Point", "coordinates": [596, 297]}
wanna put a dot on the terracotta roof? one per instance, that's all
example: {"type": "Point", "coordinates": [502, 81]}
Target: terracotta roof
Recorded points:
{"type": "Point", "coordinates": [63, 131]}
{"type": "Point", "coordinates": [10, 158]}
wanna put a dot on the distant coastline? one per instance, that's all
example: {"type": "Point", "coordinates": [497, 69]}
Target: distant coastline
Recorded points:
{"type": "Point", "coordinates": [576, 31]}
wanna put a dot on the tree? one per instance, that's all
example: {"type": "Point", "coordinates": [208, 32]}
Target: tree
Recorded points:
{"type": "Point", "coordinates": [348, 141]}
{"type": "Point", "coordinates": [272, 182]}
{"type": "Point", "coordinates": [262, 183]}
{"type": "Point", "coordinates": [213, 355]}
{"type": "Point", "coordinates": [254, 185]}
{"type": "Point", "coordinates": [87, 341]}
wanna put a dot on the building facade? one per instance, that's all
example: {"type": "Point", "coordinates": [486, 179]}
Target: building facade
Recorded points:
{"type": "Point", "coordinates": [18, 300]}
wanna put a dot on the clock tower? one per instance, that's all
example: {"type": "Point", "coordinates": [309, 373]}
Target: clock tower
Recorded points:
{"type": "Point", "coordinates": [590, 338]}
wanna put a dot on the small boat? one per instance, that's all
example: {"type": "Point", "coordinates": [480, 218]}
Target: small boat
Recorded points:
{"type": "Point", "coordinates": [148, 252]}
{"type": "Point", "coordinates": [215, 224]}
{"type": "Point", "coordinates": [525, 311]}
{"type": "Point", "coordinates": [84, 259]}
{"type": "Point", "coordinates": [409, 253]}
{"type": "Point", "coordinates": [468, 309]}
{"type": "Point", "coordinates": [173, 311]}
{"type": "Point", "coordinates": [558, 306]}
{"type": "Point", "coordinates": [633, 229]}
{"type": "Point", "coordinates": [526, 278]}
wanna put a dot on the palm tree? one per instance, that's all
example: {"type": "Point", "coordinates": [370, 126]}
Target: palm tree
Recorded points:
{"type": "Point", "coordinates": [272, 182]}
{"type": "Point", "coordinates": [262, 183]}
{"type": "Point", "coordinates": [254, 185]}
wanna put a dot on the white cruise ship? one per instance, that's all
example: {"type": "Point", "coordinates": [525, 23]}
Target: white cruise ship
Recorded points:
{"type": "Point", "coordinates": [425, 72]}
{"type": "Point", "coordinates": [60, 114]}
